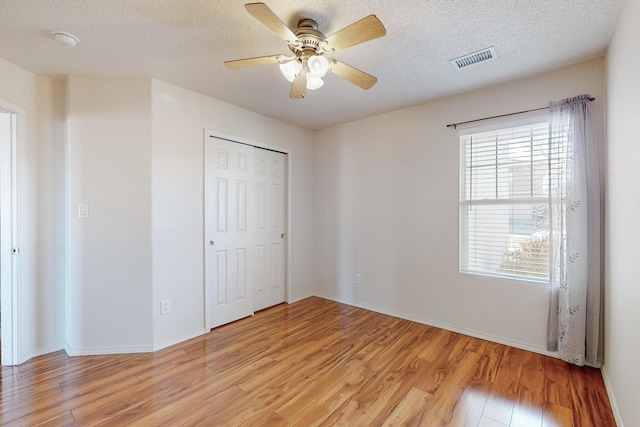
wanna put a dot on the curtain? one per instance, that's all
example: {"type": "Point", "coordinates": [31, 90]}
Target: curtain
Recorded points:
{"type": "Point", "coordinates": [575, 216]}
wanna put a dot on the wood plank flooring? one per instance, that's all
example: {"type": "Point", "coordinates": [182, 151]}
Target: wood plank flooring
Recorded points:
{"type": "Point", "coordinates": [312, 363]}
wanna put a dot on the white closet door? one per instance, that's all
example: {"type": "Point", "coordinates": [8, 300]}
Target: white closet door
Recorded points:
{"type": "Point", "coordinates": [228, 236]}
{"type": "Point", "coordinates": [269, 236]}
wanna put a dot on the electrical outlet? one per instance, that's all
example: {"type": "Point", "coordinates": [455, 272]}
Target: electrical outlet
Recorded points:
{"type": "Point", "coordinates": [165, 306]}
{"type": "Point", "coordinates": [358, 279]}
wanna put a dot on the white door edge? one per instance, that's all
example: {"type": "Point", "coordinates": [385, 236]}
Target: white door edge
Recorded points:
{"type": "Point", "coordinates": [9, 250]}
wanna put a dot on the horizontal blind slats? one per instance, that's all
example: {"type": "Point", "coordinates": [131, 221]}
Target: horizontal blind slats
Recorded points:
{"type": "Point", "coordinates": [504, 197]}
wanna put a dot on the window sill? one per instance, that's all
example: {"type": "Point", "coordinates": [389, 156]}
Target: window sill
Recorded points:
{"type": "Point", "coordinates": [540, 283]}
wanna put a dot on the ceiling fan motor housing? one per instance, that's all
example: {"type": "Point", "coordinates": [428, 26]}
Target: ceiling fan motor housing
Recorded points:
{"type": "Point", "coordinates": [310, 40]}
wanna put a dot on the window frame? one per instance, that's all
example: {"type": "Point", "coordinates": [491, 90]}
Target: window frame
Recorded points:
{"type": "Point", "coordinates": [463, 237]}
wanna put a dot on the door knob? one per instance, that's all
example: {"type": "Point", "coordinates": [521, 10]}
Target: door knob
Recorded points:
{"type": "Point", "coordinates": [210, 242]}
{"type": "Point", "coordinates": [282, 236]}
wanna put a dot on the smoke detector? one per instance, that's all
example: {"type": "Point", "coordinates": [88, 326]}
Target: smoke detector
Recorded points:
{"type": "Point", "coordinates": [474, 58]}
{"type": "Point", "coordinates": [66, 38]}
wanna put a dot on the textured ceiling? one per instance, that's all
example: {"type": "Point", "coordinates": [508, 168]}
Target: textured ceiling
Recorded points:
{"type": "Point", "coordinates": [185, 42]}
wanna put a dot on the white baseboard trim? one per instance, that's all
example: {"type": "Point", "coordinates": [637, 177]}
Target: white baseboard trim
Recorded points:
{"type": "Point", "coordinates": [299, 298]}
{"type": "Point", "coordinates": [107, 350]}
{"type": "Point", "coordinates": [179, 340]}
{"type": "Point", "coordinates": [36, 353]}
{"type": "Point", "coordinates": [442, 325]}
{"type": "Point", "coordinates": [612, 397]}
{"type": "Point", "coordinates": [131, 349]}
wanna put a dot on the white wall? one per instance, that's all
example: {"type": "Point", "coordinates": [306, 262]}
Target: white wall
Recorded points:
{"type": "Point", "coordinates": [135, 156]}
{"type": "Point", "coordinates": [41, 273]}
{"type": "Point", "coordinates": [622, 277]}
{"type": "Point", "coordinates": [179, 120]}
{"type": "Point", "coordinates": [109, 288]}
{"type": "Point", "coordinates": [386, 197]}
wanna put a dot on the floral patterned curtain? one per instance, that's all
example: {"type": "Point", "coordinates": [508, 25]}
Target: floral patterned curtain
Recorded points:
{"type": "Point", "coordinates": [576, 285]}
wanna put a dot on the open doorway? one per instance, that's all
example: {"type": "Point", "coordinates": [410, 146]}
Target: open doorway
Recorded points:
{"type": "Point", "coordinates": [8, 232]}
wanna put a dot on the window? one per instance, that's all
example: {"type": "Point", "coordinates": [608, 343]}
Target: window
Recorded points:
{"type": "Point", "coordinates": [504, 201]}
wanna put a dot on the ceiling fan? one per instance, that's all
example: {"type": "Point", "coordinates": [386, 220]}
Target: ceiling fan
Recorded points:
{"type": "Point", "coordinates": [306, 67]}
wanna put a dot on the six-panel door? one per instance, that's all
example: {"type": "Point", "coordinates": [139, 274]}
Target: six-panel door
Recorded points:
{"type": "Point", "coordinates": [244, 230]}
{"type": "Point", "coordinates": [270, 173]}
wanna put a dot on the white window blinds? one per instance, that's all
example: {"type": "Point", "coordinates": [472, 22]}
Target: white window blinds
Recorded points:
{"type": "Point", "coordinates": [504, 201]}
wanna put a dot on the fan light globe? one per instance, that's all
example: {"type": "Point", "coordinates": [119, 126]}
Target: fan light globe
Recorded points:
{"type": "Point", "coordinates": [318, 66]}
{"type": "Point", "coordinates": [291, 69]}
{"type": "Point", "coordinates": [314, 82]}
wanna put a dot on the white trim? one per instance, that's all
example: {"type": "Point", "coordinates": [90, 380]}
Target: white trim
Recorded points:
{"type": "Point", "coordinates": [180, 340]}
{"type": "Point", "coordinates": [612, 397]}
{"type": "Point", "coordinates": [205, 191]}
{"type": "Point", "coordinates": [288, 273]}
{"type": "Point", "coordinates": [290, 233]}
{"type": "Point", "coordinates": [68, 320]}
{"type": "Point", "coordinates": [232, 138]}
{"type": "Point", "coordinates": [430, 322]}
{"type": "Point", "coordinates": [11, 354]}
{"type": "Point", "coordinates": [40, 352]}
{"type": "Point", "coordinates": [128, 349]}
{"type": "Point", "coordinates": [107, 350]}
{"type": "Point", "coordinates": [300, 297]}
{"type": "Point", "coordinates": [505, 279]}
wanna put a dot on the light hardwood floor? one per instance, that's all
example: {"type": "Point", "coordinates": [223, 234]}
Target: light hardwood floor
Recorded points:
{"type": "Point", "coordinates": [315, 362]}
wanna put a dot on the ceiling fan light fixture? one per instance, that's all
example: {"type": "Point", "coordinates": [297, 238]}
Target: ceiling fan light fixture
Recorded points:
{"type": "Point", "coordinates": [318, 66]}
{"type": "Point", "coordinates": [308, 45]}
{"type": "Point", "coordinates": [291, 69]}
{"type": "Point", "coordinates": [314, 82]}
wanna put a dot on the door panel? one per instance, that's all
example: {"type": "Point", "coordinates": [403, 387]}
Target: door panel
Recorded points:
{"type": "Point", "coordinates": [228, 258]}
{"type": "Point", "coordinates": [270, 228]}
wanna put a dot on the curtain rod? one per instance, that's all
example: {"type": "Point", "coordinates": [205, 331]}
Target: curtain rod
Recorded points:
{"type": "Point", "coordinates": [455, 125]}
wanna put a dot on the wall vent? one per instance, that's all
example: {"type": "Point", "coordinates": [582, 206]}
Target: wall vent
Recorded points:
{"type": "Point", "coordinates": [474, 58]}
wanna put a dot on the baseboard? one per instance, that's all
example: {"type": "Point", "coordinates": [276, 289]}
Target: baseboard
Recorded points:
{"type": "Point", "coordinates": [107, 350]}
{"type": "Point", "coordinates": [180, 340]}
{"type": "Point", "coordinates": [442, 325]}
{"type": "Point", "coordinates": [300, 298]}
{"type": "Point", "coordinates": [36, 353]}
{"type": "Point", "coordinates": [612, 397]}
{"type": "Point", "coordinates": [130, 349]}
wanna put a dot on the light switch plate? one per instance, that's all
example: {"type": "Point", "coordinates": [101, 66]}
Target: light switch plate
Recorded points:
{"type": "Point", "coordinates": [83, 211]}
{"type": "Point", "coordinates": [165, 306]}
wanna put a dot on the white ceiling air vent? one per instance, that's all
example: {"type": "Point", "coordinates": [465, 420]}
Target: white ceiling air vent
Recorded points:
{"type": "Point", "coordinates": [474, 58]}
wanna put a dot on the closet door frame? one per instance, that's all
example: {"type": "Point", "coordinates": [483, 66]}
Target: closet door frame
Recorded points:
{"type": "Point", "coordinates": [208, 134]}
